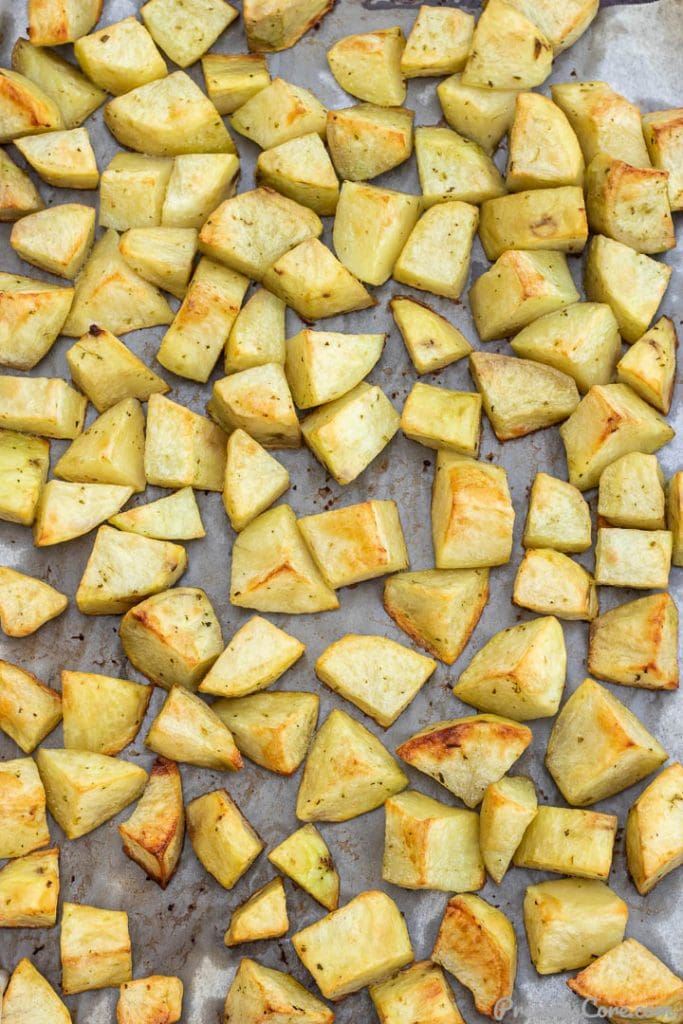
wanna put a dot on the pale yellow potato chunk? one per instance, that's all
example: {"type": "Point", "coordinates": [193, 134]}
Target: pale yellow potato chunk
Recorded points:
{"type": "Point", "coordinates": [52, 23]}
{"type": "Point", "coordinates": [24, 463]}
{"type": "Point", "coordinates": [663, 131]}
{"type": "Point", "coordinates": [551, 583]}
{"type": "Point", "coordinates": [439, 43]}
{"type": "Point", "coordinates": [279, 112]}
{"type": "Point", "coordinates": [629, 204]}
{"type": "Point", "coordinates": [29, 890]}
{"type": "Point", "coordinates": [432, 341]}
{"type": "Point", "coordinates": [101, 713]}
{"type": "Point", "coordinates": [368, 66]}
{"type": "Point", "coordinates": [273, 25]}
{"type": "Point", "coordinates": [186, 29]}
{"type": "Point", "coordinates": [636, 644]}
{"type": "Point", "coordinates": [120, 57]}
{"type": "Point", "coordinates": [654, 830]}
{"type": "Point", "coordinates": [150, 1001]}
{"type": "Point", "coordinates": [483, 115]}
{"type": "Point", "coordinates": [182, 448]}
{"type": "Point", "coordinates": [604, 121]}
{"type": "Point", "coordinates": [224, 841]}
{"type": "Point", "coordinates": [188, 728]}
{"type": "Point", "coordinates": [27, 603]}
{"type": "Point", "coordinates": [367, 140]}
{"type": "Point", "coordinates": [452, 167]}
{"type": "Point", "coordinates": [32, 313]}
{"type": "Point", "coordinates": [631, 283]}
{"type": "Point", "coordinates": [254, 479]}
{"type": "Point", "coordinates": [126, 376]}
{"type": "Point", "coordinates": [256, 989]}
{"type": "Point", "coordinates": [259, 402]}
{"type": "Point", "coordinates": [567, 841]}
{"type": "Point", "coordinates": [27, 994]}
{"type": "Point", "coordinates": [257, 335]}
{"type": "Point", "coordinates": [29, 710]}
{"type": "Point", "coordinates": [436, 255]}
{"type": "Point", "coordinates": [233, 78]}
{"type": "Point", "coordinates": [371, 227]}
{"type": "Point", "coordinates": [24, 108]}
{"type": "Point", "coordinates": [649, 365]}
{"type": "Point", "coordinates": [472, 513]}
{"type": "Point", "coordinates": [132, 191]}
{"type": "Point", "coordinates": [262, 916]}
{"type": "Point", "coordinates": [543, 151]}
{"type": "Point", "coordinates": [418, 990]}
{"type": "Point", "coordinates": [95, 948]}
{"type": "Point", "coordinates": [22, 800]}
{"type": "Point", "coordinates": [540, 218]}
{"type": "Point", "coordinates": [640, 559]}
{"type": "Point", "coordinates": [110, 451]}
{"type": "Point", "coordinates": [46, 406]}
{"type": "Point", "coordinates": [438, 418]}
{"type": "Point", "coordinates": [199, 182]}
{"type": "Point", "coordinates": [271, 729]}
{"type": "Point", "coordinates": [508, 808]}
{"type": "Point", "coordinates": [558, 516]}
{"type": "Point", "coordinates": [631, 493]}
{"type": "Point", "coordinates": [305, 858]}
{"type": "Point", "coordinates": [18, 195]}
{"type": "Point", "coordinates": [509, 50]}
{"type": "Point", "coordinates": [256, 656]}
{"type": "Point", "coordinates": [74, 95]}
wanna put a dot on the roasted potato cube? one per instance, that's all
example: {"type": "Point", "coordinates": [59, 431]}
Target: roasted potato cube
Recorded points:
{"type": "Point", "coordinates": [120, 57]}
{"type": "Point", "coordinates": [95, 948]}
{"type": "Point", "coordinates": [132, 191]}
{"type": "Point", "coordinates": [371, 227]}
{"type": "Point", "coordinates": [509, 50]}
{"type": "Point", "coordinates": [272, 569]}
{"type": "Point", "coordinates": [518, 288]}
{"type": "Point", "coordinates": [347, 434]}
{"type": "Point", "coordinates": [273, 25]}
{"type": "Point", "coordinates": [367, 140]}
{"type": "Point", "coordinates": [563, 24]}
{"type": "Point", "coordinates": [439, 43]}
{"type": "Point", "coordinates": [636, 644]}
{"type": "Point", "coordinates": [24, 108]}
{"type": "Point", "coordinates": [221, 836]}
{"type": "Point", "coordinates": [663, 131]}
{"type": "Point", "coordinates": [610, 421]}
{"type": "Point", "coordinates": [302, 170]}
{"type": "Point", "coordinates": [311, 280]}
{"type": "Point", "coordinates": [629, 204]}
{"type": "Point", "coordinates": [67, 510]}
{"type": "Point", "coordinates": [508, 807]}
{"type": "Point", "coordinates": [368, 66]}
{"type": "Point", "coordinates": [233, 78]}
{"type": "Point", "coordinates": [279, 112]}
{"type": "Point", "coordinates": [256, 656]}
{"type": "Point", "coordinates": [175, 517]}
{"type": "Point", "coordinates": [41, 405]}
{"type": "Point", "coordinates": [520, 672]}
{"type": "Point", "coordinates": [262, 916]}
{"type": "Point", "coordinates": [571, 922]}
{"type": "Point", "coordinates": [29, 709]}
{"type": "Point", "coordinates": [550, 583]}
{"type": "Point", "coordinates": [631, 493]}
{"type": "Point", "coordinates": [477, 944]}
{"type": "Point", "coordinates": [75, 95]}
{"type": "Point", "coordinates": [167, 117]}
{"type": "Point", "coordinates": [674, 516]}
{"type": "Point", "coordinates": [472, 513]}
{"type": "Point", "coordinates": [654, 830]}
{"type": "Point", "coordinates": [28, 995]}
{"type": "Point", "coordinates": [381, 945]}
{"type": "Point", "coordinates": [558, 516]}
{"type": "Point", "coordinates": [432, 342]}
{"type": "Point", "coordinates": [257, 335]}
{"type": "Point", "coordinates": [29, 889]}
{"type": "Point", "coordinates": [640, 559]}
{"type": "Point", "coordinates": [629, 979]}
{"type": "Point", "coordinates": [110, 451]}
{"type": "Point", "coordinates": [542, 218]}
{"type": "Point", "coordinates": [419, 993]}
{"type": "Point", "coordinates": [348, 772]}
{"type": "Point", "coordinates": [622, 751]}
{"type": "Point", "coordinates": [631, 283]}
{"type": "Point", "coordinates": [126, 376]}
{"type": "Point", "coordinates": [321, 366]}
{"type": "Point", "coordinates": [543, 151]}
{"type": "Point", "coordinates": [50, 23]}
{"type": "Point", "coordinates": [150, 1000]}
{"type": "Point", "coordinates": [604, 121]}
{"type": "Point", "coordinates": [18, 195]}
{"type": "Point", "coordinates": [188, 729]}
{"type": "Point", "coordinates": [436, 256]}
{"type": "Point", "coordinates": [568, 842]}
{"type": "Point", "coordinates": [199, 182]}
{"type": "Point", "coordinates": [24, 462]}
{"type": "Point", "coordinates": [22, 808]}
{"type": "Point", "coordinates": [101, 713]}
{"type": "Point", "coordinates": [483, 115]}
{"type": "Point", "coordinates": [182, 448]}
{"type": "Point", "coordinates": [466, 754]}
{"type": "Point", "coordinates": [452, 167]}
{"type": "Point", "coordinates": [32, 314]}
{"type": "Point", "coordinates": [376, 674]}
{"type": "Point", "coordinates": [57, 239]}
{"type": "Point", "coordinates": [253, 480]}
{"type": "Point", "coordinates": [26, 603]}
{"type": "Point", "coordinates": [438, 608]}
{"type": "Point", "coordinates": [649, 365]}
{"type": "Point", "coordinates": [163, 256]}
{"type": "Point", "coordinates": [428, 845]}
{"type": "Point", "coordinates": [271, 729]}
{"type": "Point", "coordinates": [186, 30]}
{"type": "Point", "coordinates": [356, 542]}
{"type": "Point", "coordinates": [256, 990]}
{"type": "Point", "coordinates": [153, 835]}
{"type": "Point", "coordinates": [305, 858]}
{"type": "Point", "coordinates": [259, 402]}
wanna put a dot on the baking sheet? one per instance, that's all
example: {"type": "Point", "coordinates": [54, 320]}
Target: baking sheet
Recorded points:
{"type": "Point", "coordinates": [637, 48]}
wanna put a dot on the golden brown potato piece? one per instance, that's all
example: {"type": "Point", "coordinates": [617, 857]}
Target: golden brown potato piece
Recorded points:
{"type": "Point", "coordinates": [262, 916]}
{"type": "Point", "coordinates": [23, 817]}
{"type": "Point", "coordinates": [29, 710]}
{"type": "Point", "coordinates": [368, 66]}
{"type": "Point", "coordinates": [631, 493]}
{"type": "Point", "coordinates": [256, 656]}
{"type": "Point", "coordinates": [24, 462]}
{"type": "Point", "coordinates": [273, 25]}
{"type": "Point", "coordinates": [558, 516]}
{"type": "Point", "coordinates": [126, 376]}
{"type": "Point", "coordinates": [279, 112]}
{"type": "Point", "coordinates": [193, 733]}
{"type": "Point", "coordinates": [24, 108]}
{"type": "Point", "coordinates": [636, 644]}
{"type": "Point", "coordinates": [663, 131]}
{"type": "Point", "coordinates": [305, 858]}
{"type": "Point", "coordinates": [101, 713]}
{"type": "Point", "coordinates": [649, 365]}
{"type": "Point", "coordinates": [654, 830]}
{"type": "Point", "coordinates": [18, 195]}
{"type": "Point", "coordinates": [367, 140]}
{"type": "Point", "coordinates": [483, 115]}
{"type": "Point", "coordinates": [543, 151]}
{"type": "Point", "coordinates": [221, 836]}
{"type": "Point", "coordinates": [541, 218]}
{"type": "Point", "coordinates": [186, 29]}
{"type": "Point", "coordinates": [153, 835]}
{"type": "Point", "coordinates": [32, 314]}
{"type": "Point", "coordinates": [271, 729]}
{"type": "Point", "coordinates": [568, 842]}
{"type": "Point", "coordinates": [439, 43]}
{"type": "Point", "coordinates": [629, 204]}
{"type": "Point", "coordinates": [53, 22]}
{"type": "Point", "coordinates": [120, 57]}
{"type": "Point", "coordinates": [550, 583]}
{"type": "Point", "coordinates": [419, 990]}
{"type": "Point", "coordinates": [29, 996]}
{"type": "Point", "coordinates": [508, 808]}
{"type": "Point", "coordinates": [95, 948]}
{"type": "Point", "coordinates": [153, 1000]}
{"type": "Point", "coordinates": [256, 989]}
{"type": "Point", "coordinates": [29, 890]}
{"type": "Point", "coordinates": [472, 513]}
{"type": "Point", "coordinates": [182, 448]}
{"type": "Point", "coordinates": [604, 121]}
{"type": "Point", "coordinates": [509, 51]}
{"type": "Point", "coordinates": [74, 95]}
{"type": "Point", "coordinates": [432, 341]}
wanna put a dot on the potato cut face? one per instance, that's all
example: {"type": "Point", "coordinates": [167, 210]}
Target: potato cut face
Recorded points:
{"type": "Point", "coordinates": [631, 492]}
{"type": "Point", "coordinates": [279, 112]}
{"type": "Point", "coordinates": [199, 182]}
{"type": "Point", "coordinates": [483, 115]}
{"type": "Point", "coordinates": [371, 227]}
{"type": "Point", "coordinates": [24, 108]}
{"type": "Point", "coordinates": [436, 256]}
{"type": "Point", "coordinates": [149, 1000]}
{"type": "Point", "coordinates": [27, 603]}
{"type": "Point", "coordinates": [439, 43]}
{"type": "Point", "coordinates": [32, 314]}
{"type": "Point", "coordinates": [305, 858]}
{"type": "Point", "coordinates": [418, 990]}
{"type": "Point", "coordinates": [568, 842]}
{"type": "Point", "coordinates": [508, 808]}
{"type": "Point", "coordinates": [564, 24]}
{"type": "Point", "coordinates": [604, 121]}
{"type": "Point", "coordinates": [57, 239]}
{"type": "Point", "coordinates": [66, 510]}
{"type": "Point", "coordinates": [367, 140]}
{"type": "Point", "coordinates": [429, 845]}
{"type": "Point", "coordinates": [29, 992]}
{"type": "Point", "coordinates": [369, 66]}
{"type": "Point", "coordinates": [74, 95]}
{"type": "Point", "coordinates": [233, 78]}
{"type": "Point", "coordinates": [221, 836]}
{"type": "Point", "coordinates": [262, 916]}
{"type": "Point", "coordinates": [29, 889]}
{"type": "Point", "coordinates": [636, 644]}
{"type": "Point", "coordinates": [255, 989]}
{"type": "Point", "coordinates": [52, 24]}
{"type": "Point", "coordinates": [543, 150]}
{"type": "Point", "coordinates": [452, 167]}
{"type": "Point", "coordinates": [132, 191]}
{"type": "Point", "coordinates": [18, 195]}
{"type": "Point", "coordinates": [640, 559]}
{"type": "Point", "coordinates": [302, 170]}
{"type": "Point", "coordinates": [311, 280]}
{"type": "Point", "coordinates": [101, 713]}
{"type": "Point", "coordinates": [347, 773]}
{"type": "Point", "coordinates": [188, 728]}
{"type": "Point", "coordinates": [256, 656]}
{"type": "Point", "coordinates": [509, 51]}
{"type": "Point", "coordinates": [95, 948]}
{"type": "Point", "coordinates": [321, 366]}
{"type": "Point", "coordinates": [182, 448]}
{"type": "Point", "coordinates": [24, 462]}
{"type": "Point", "coordinates": [381, 945]}
{"type": "Point", "coordinates": [273, 25]}
{"type": "Point", "coordinates": [472, 514]}
{"type": "Point", "coordinates": [654, 830]}
{"type": "Point", "coordinates": [271, 729]}
{"type": "Point", "coordinates": [674, 516]}
{"type": "Point", "coordinates": [629, 204]}
{"type": "Point", "coordinates": [254, 479]}
{"type": "Point", "coordinates": [622, 751]}
{"type": "Point", "coordinates": [520, 672]}
{"type": "Point", "coordinates": [110, 451]}
{"type": "Point", "coordinates": [259, 402]}
{"type": "Point", "coordinates": [631, 283]}
{"type": "Point", "coordinates": [466, 754]}
{"type": "Point", "coordinates": [41, 405]}
{"type": "Point", "coordinates": [432, 342]}
{"type": "Point", "coordinates": [540, 218]}
{"type": "Point", "coordinates": [663, 131]}
{"type": "Point", "coordinates": [571, 922]}
{"type": "Point", "coordinates": [153, 835]}
{"type": "Point", "coordinates": [24, 821]}
{"type": "Point", "coordinates": [258, 334]}
{"type": "Point", "coordinates": [649, 365]}
{"type": "Point", "coordinates": [126, 377]}
{"type": "Point", "coordinates": [558, 516]}
{"type": "Point", "coordinates": [185, 31]}
{"type": "Point", "coordinates": [163, 256]}
{"type": "Point", "coordinates": [551, 583]}
{"type": "Point", "coordinates": [29, 710]}
{"type": "Point", "coordinates": [120, 57]}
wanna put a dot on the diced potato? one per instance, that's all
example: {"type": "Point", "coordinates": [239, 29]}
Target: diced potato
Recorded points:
{"type": "Point", "coordinates": [581, 340]}
{"type": "Point", "coordinates": [509, 51]}
{"type": "Point", "coordinates": [63, 159]}
{"type": "Point", "coordinates": [153, 835]}
{"type": "Point", "coordinates": [257, 335]}
{"type": "Point", "coordinates": [663, 131]}
{"type": "Point", "coordinates": [347, 773]}
{"type": "Point", "coordinates": [368, 66]}
{"type": "Point", "coordinates": [483, 115]}
{"type": "Point", "coordinates": [175, 517]}
{"type": "Point", "coordinates": [186, 29]}
{"type": "Point", "coordinates": [29, 994]}
{"type": "Point", "coordinates": [24, 108]}
{"type": "Point", "coordinates": [419, 992]}
{"type": "Point", "coordinates": [477, 944]}
{"type": "Point", "coordinates": [674, 516]}
{"type": "Point", "coordinates": [558, 516]}
{"type": "Point", "coordinates": [224, 841]}
{"type": "Point", "coordinates": [302, 170]}
{"type": "Point", "coordinates": [257, 655]}
{"type": "Point", "coordinates": [508, 808]}
{"type": "Point", "coordinates": [262, 916]}
{"type": "Point", "coordinates": [631, 493]}
{"type": "Point", "coordinates": [436, 256]}
{"type": "Point", "coordinates": [367, 140]}
{"type": "Point", "coordinates": [95, 948]}
{"type": "Point", "coordinates": [46, 406]}
{"type": "Point", "coordinates": [256, 990]}
{"type": "Point", "coordinates": [472, 513]}
{"type": "Point", "coordinates": [629, 979]}
{"type": "Point", "coordinates": [518, 288]}
{"type": "Point", "coordinates": [520, 672]}
{"type": "Point", "coordinates": [271, 729]}
{"type": "Point", "coordinates": [550, 583]}
{"type": "Point", "coordinates": [27, 603]}
{"type": "Point", "coordinates": [571, 922]}
{"type": "Point", "coordinates": [120, 57]}
{"type": "Point", "coordinates": [356, 542]}
{"type": "Point", "coordinates": [150, 1001]}
{"type": "Point", "coordinates": [85, 789]}
{"type": "Point", "coordinates": [126, 376]}
{"type": "Point", "coordinates": [381, 945]}
{"type": "Point", "coordinates": [636, 644]}
{"type": "Point", "coordinates": [428, 845]}
{"type": "Point", "coordinates": [253, 480]}
{"type": "Point", "coordinates": [24, 462]}
{"type": "Point", "coordinates": [640, 559]}
{"type": "Point", "coordinates": [432, 342]}
{"type": "Point", "coordinates": [163, 256]}
{"type": "Point", "coordinates": [376, 674]}
{"type": "Point", "coordinates": [101, 713]}
{"type": "Point", "coordinates": [466, 754]}
{"type": "Point", "coordinates": [314, 283]}
{"type": "Point", "coordinates": [629, 204]}
{"type": "Point", "coordinates": [604, 121]}
{"type": "Point", "coordinates": [649, 365]}
{"type": "Point", "coordinates": [347, 434]}
{"type": "Point", "coordinates": [563, 23]}
{"type": "Point", "coordinates": [182, 448]}
{"type": "Point", "coordinates": [321, 366]}
{"type": "Point", "coordinates": [568, 842]}
{"type": "Point", "coordinates": [50, 23]}
{"type": "Point", "coordinates": [29, 709]}
{"type": "Point", "coordinates": [305, 858]}
{"type": "Point", "coordinates": [57, 239]}
{"type": "Point", "coordinates": [444, 419]}
{"type": "Point", "coordinates": [610, 421]}
{"type": "Point", "coordinates": [654, 830]}
{"type": "Point", "coordinates": [132, 191]}
{"type": "Point", "coordinates": [167, 117]}
{"type": "Point", "coordinates": [272, 569]}
{"type": "Point", "coordinates": [543, 151]}
{"type": "Point", "coordinates": [438, 608]}
{"type": "Point", "coordinates": [542, 218]}
{"type": "Point", "coordinates": [279, 112]}
{"type": "Point", "coordinates": [110, 451]}
{"type": "Point", "coordinates": [67, 510]}
{"type": "Point", "coordinates": [371, 227]}
{"type": "Point", "coordinates": [189, 730]}
{"type": "Point", "coordinates": [75, 95]}
{"type": "Point", "coordinates": [452, 167]}
{"type": "Point", "coordinates": [273, 25]}
{"type": "Point", "coordinates": [199, 182]}
{"type": "Point", "coordinates": [111, 295]}
{"type": "Point", "coordinates": [18, 194]}
{"type": "Point", "coordinates": [259, 402]}
{"type": "Point", "coordinates": [233, 78]}
{"type": "Point", "coordinates": [29, 889]}
{"type": "Point", "coordinates": [22, 803]}
{"type": "Point", "coordinates": [439, 43]}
